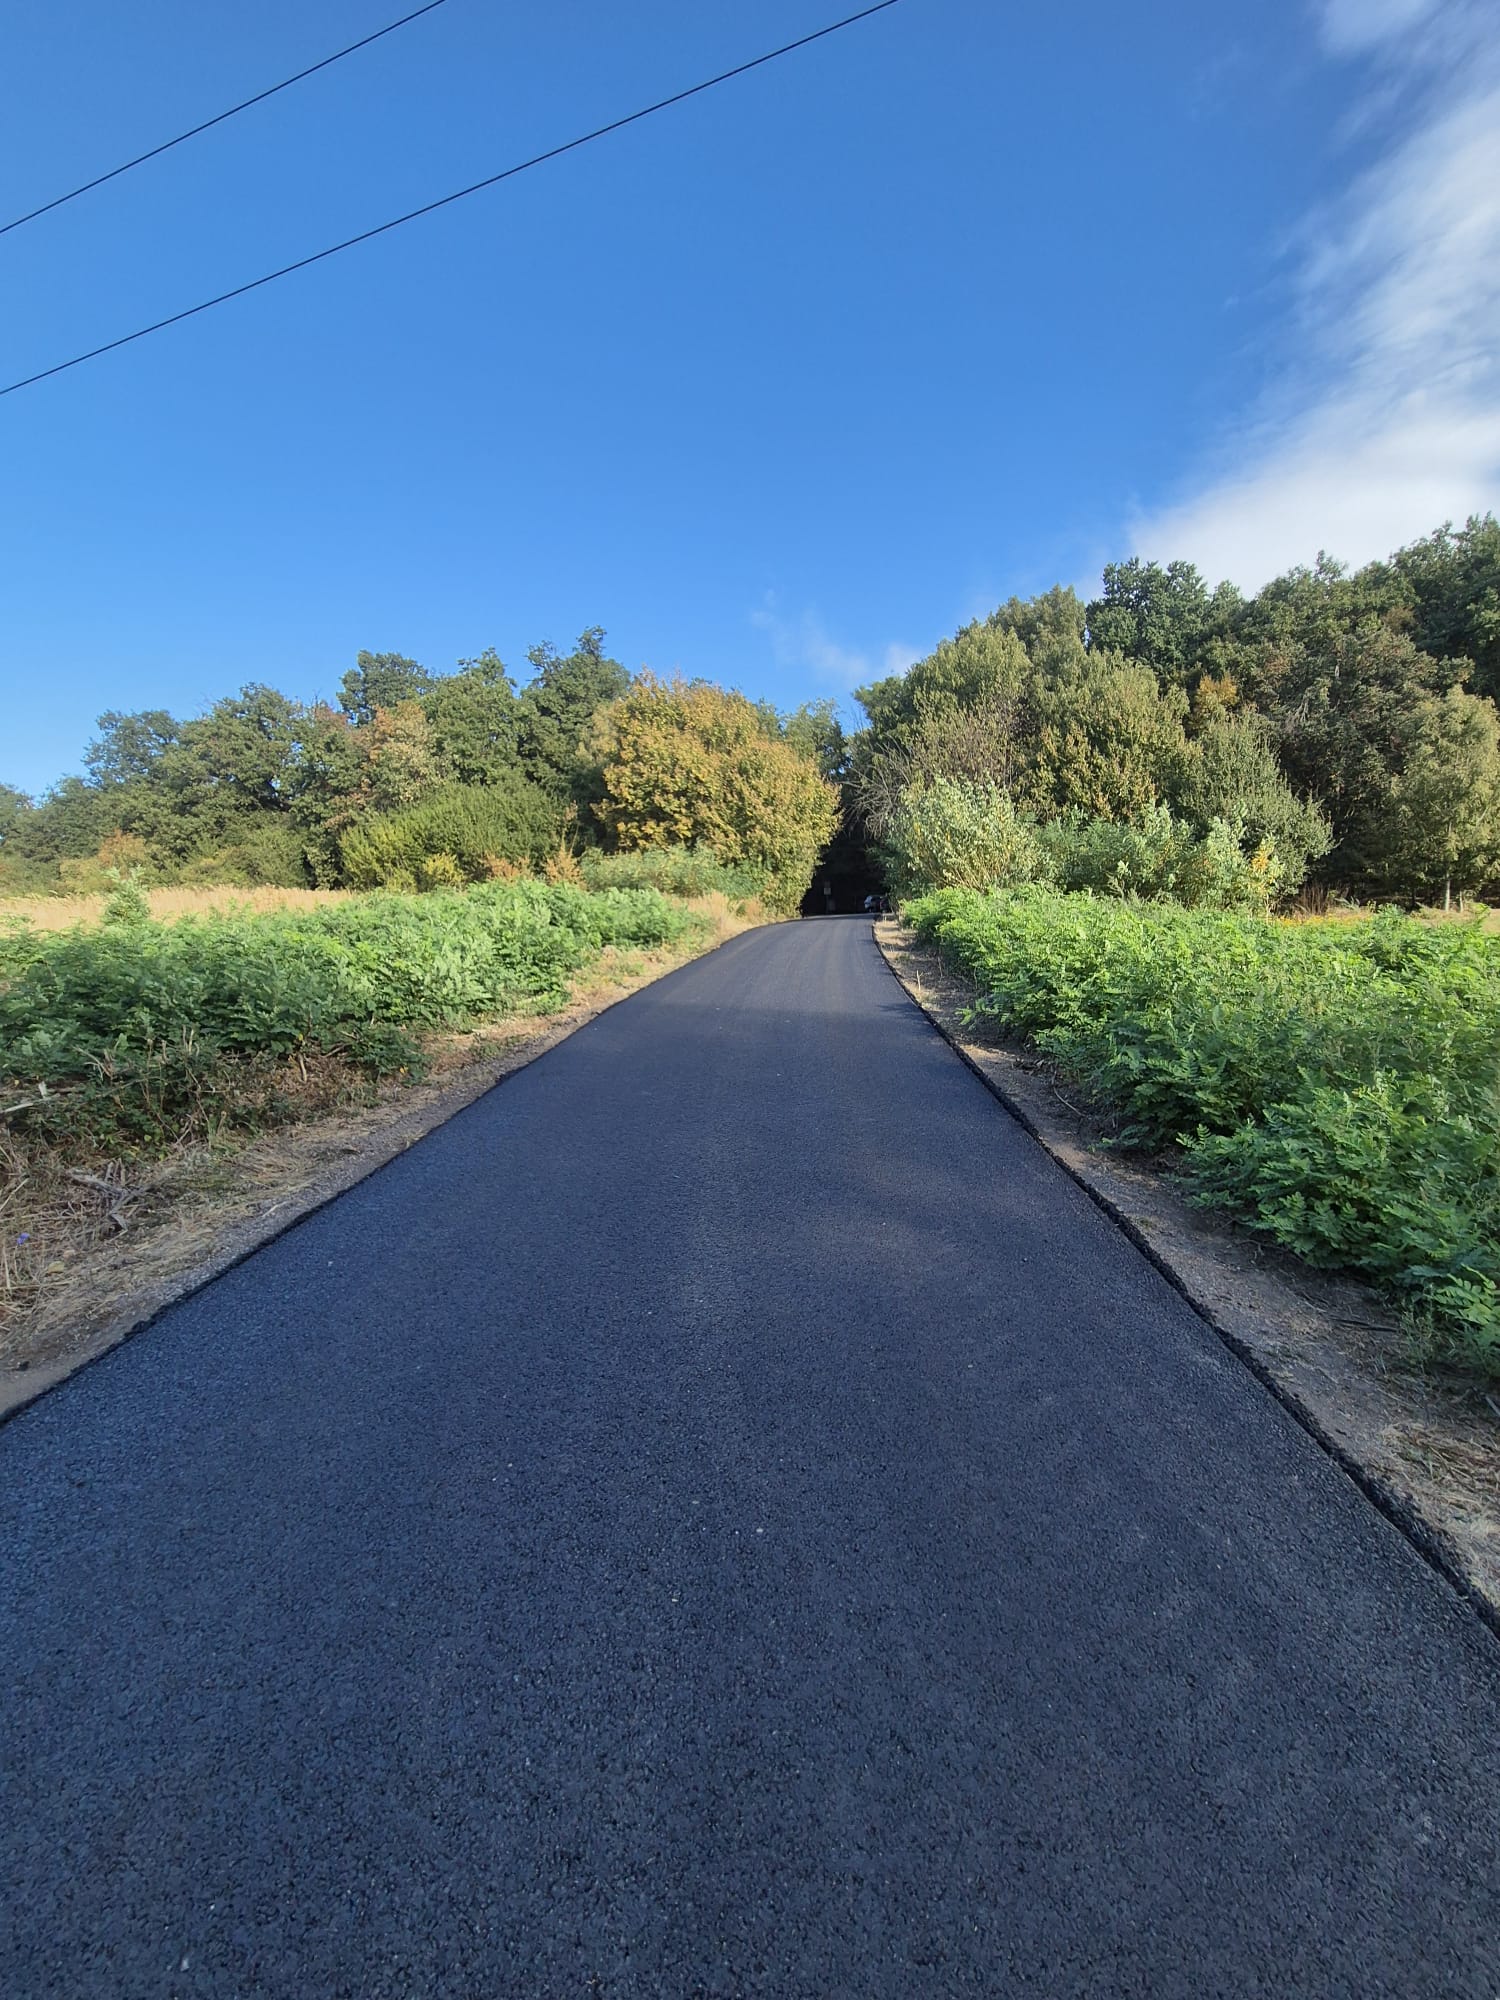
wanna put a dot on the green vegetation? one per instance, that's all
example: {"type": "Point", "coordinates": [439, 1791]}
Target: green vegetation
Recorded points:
{"type": "Point", "coordinates": [674, 871]}
{"type": "Point", "coordinates": [132, 1035]}
{"type": "Point", "coordinates": [684, 763]}
{"type": "Point", "coordinates": [1337, 729]}
{"type": "Point", "coordinates": [428, 781]}
{"type": "Point", "coordinates": [1332, 1083]}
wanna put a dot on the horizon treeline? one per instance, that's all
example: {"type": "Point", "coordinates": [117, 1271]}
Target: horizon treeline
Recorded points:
{"type": "Point", "coordinates": [1336, 727]}
{"type": "Point", "coordinates": [417, 780]}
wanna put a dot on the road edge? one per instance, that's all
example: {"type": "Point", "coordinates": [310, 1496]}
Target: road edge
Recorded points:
{"type": "Point", "coordinates": [1402, 1510]}
{"type": "Point", "coordinates": [21, 1388]}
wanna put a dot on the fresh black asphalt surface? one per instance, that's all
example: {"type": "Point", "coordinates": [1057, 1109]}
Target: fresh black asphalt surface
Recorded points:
{"type": "Point", "coordinates": [725, 1515]}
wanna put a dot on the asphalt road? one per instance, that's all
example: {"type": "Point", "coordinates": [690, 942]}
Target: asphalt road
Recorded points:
{"type": "Point", "coordinates": [724, 1515]}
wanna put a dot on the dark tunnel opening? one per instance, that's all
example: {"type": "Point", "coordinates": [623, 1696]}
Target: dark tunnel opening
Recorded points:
{"type": "Point", "coordinates": [846, 876]}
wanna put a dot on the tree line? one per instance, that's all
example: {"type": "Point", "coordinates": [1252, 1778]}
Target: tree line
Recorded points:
{"type": "Point", "coordinates": [422, 780]}
{"type": "Point", "coordinates": [1336, 728]}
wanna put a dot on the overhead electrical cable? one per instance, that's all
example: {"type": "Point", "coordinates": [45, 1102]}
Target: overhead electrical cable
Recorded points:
{"type": "Point", "coordinates": [461, 194]}
{"type": "Point", "coordinates": [208, 123]}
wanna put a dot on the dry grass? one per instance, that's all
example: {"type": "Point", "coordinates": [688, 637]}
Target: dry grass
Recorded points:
{"type": "Point", "coordinates": [60, 913]}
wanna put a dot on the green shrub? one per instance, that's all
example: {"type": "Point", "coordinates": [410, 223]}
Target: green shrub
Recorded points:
{"type": "Point", "coordinates": [269, 852]}
{"type": "Point", "coordinates": [1161, 858]}
{"type": "Point", "coordinates": [956, 833]}
{"type": "Point", "coordinates": [464, 830]}
{"type": "Point", "coordinates": [675, 871]}
{"type": "Point", "coordinates": [1333, 1083]}
{"type": "Point", "coordinates": [132, 1034]}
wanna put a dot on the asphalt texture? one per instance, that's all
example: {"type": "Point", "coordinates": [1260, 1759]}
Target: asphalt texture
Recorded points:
{"type": "Point", "coordinates": [725, 1515]}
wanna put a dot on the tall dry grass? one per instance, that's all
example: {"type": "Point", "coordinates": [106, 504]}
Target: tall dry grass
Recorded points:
{"type": "Point", "coordinates": [60, 913]}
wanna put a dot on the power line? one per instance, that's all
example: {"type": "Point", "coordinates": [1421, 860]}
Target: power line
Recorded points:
{"type": "Point", "coordinates": [446, 201]}
{"type": "Point", "coordinates": [208, 123]}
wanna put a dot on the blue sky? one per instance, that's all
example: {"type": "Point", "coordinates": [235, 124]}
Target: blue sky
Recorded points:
{"type": "Point", "coordinates": [779, 387]}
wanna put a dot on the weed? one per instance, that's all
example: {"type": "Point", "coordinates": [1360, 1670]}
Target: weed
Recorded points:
{"type": "Point", "coordinates": [1333, 1083]}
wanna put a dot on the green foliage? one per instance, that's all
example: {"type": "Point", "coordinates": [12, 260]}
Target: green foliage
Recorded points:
{"type": "Point", "coordinates": [1338, 721]}
{"type": "Point", "coordinates": [1454, 581]}
{"type": "Point", "coordinates": [269, 851]}
{"type": "Point", "coordinates": [675, 871]}
{"type": "Point", "coordinates": [1230, 774]}
{"type": "Point", "coordinates": [556, 713]}
{"type": "Point", "coordinates": [129, 748]}
{"type": "Point", "coordinates": [476, 721]}
{"type": "Point", "coordinates": [957, 834]}
{"type": "Point", "coordinates": [470, 826]}
{"type": "Point", "coordinates": [1332, 1083]}
{"type": "Point", "coordinates": [127, 902]}
{"type": "Point", "coordinates": [1162, 617]}
{"type": "Point", "coordinates": [1440, 832]}
{"type": "Point", "coordinates": [380, 680]}
{"type": "Point", "coordinates": [685, 762]}
{"type": "Point", "coordinates": [1160, 858]}
{"type": "Point", "coordinates": [1325, 718]}
{"type": "Point", "coordinates": [135, 1034]}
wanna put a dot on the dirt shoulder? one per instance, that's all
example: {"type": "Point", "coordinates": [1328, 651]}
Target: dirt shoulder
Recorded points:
{"type": "Point", "coordinates": [1425, 1447]}
{"type": "Point", "coordinates": [128, 1240]}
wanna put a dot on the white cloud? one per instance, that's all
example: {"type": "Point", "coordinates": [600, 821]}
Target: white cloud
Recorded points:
{"type": "Point", "coordinates": [804, 643]}
{"type": "Point", "coordinates": [1348, 27]}
{"type": "Point", "coordinates": [1386, 420]}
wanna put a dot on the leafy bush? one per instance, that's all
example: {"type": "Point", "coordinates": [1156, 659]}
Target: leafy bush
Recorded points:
{"type": "Point", "coordinates": [269, 852]}
{"type": "Point", "coordinates": [1160, 857]}
{"type": "Point", "coordinates": [675, 871]}
{"type": "Point", "coordinates": [134, 1033]}
{"type": "Point", "coordinates": [1332, 1083]}
{"type": "Point", "coordinates": [956, 833]}
{"type": "Point", "coordinates": [684, 762]}
{"type": "Point", "coordinates": [455, 836]}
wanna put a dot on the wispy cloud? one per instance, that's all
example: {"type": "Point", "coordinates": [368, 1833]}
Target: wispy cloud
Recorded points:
{"type": "Point", "coordinates": [1386, 420]}
{"type": "Point", "coordinates": [804, 644]}
{"type": "Point", "coordinates": [1346, 27]}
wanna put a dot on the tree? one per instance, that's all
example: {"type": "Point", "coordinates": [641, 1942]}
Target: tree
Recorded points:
{"type": "Point", "coordinates": [814, 731]}
{"type": "Point", "coordinates": [1314, 608]}
{"type": "Point", "coordinates": [685, 762]}
{"type": "Point", "coordinates": [242, 752]}
{"type": "Point", "coordinates": [1454, 579]}
{"type": "Point", "coordinates": [68, 821]}
{"type": "Point", "coordinates": [981, 664]}
{"type": "Point", "coordinates": [1230, 773]}
{"type": "Point", "coordinates": [129, 748]}
{"type": "Point", "coordinates": [1442, 830]}
{"type": "Point", "coordinates": [476, 722]}
{"type": "Point", "coordinates": [1109, 742]}
{"type": "Point", "coordinates": [380, 680]}
{"type": "Point", "coordinates": [1347, 716]}
{"type": "Point", "coordinates": [14, 807]}
{"type": "Point", "coordinates": [1052, 627]}
{"type": "Point", "coordinates": [966, 711]}
{"type": "Point", "coordinates": [557, 708]}
{"type": "Point", "coordinates": [348, 772]}
{"type": "Point", "coordinates": [958, 834]}
{"type": "Point", "coordinates": [1162, 617]}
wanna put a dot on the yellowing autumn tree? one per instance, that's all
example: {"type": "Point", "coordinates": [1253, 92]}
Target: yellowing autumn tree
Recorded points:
{"type": "Point", "coordinates": [685, 762]}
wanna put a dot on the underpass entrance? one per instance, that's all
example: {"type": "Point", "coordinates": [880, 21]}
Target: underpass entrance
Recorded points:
{"type": "Point", "coordinates": [843, 878]}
